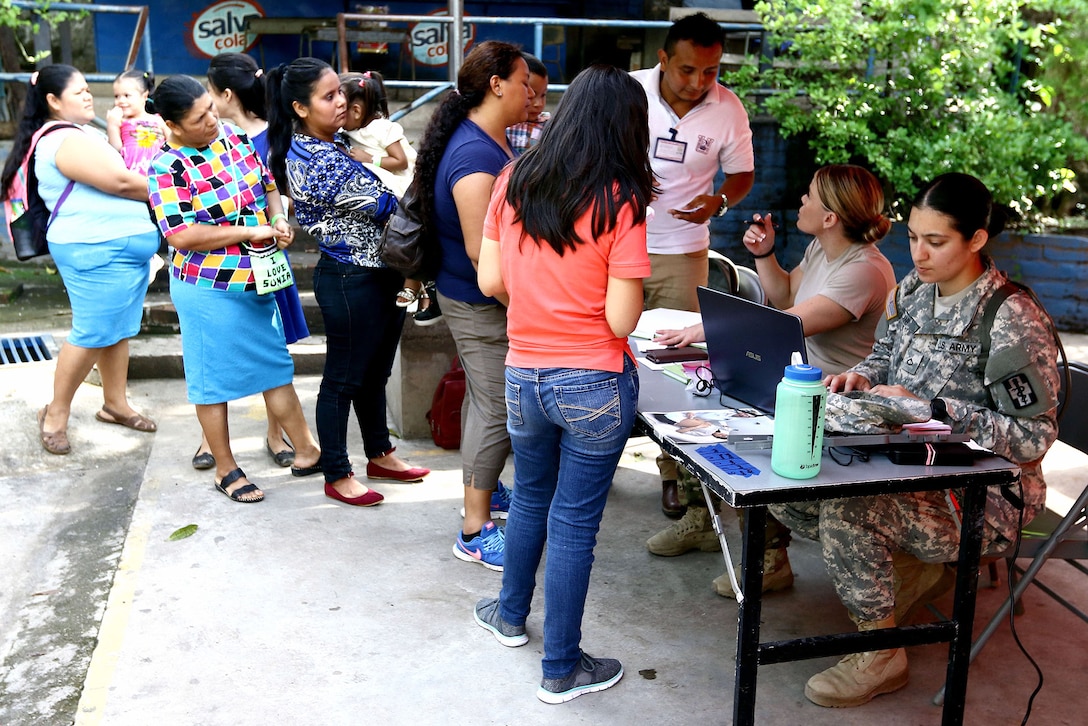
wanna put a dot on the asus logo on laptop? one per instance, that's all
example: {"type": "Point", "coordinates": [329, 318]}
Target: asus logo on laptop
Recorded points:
{"type": "Point", "coordinates": [753, 356]}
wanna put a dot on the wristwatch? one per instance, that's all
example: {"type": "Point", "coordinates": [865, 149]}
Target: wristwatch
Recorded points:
{"type": "Point", "coordinates": [724, 208]}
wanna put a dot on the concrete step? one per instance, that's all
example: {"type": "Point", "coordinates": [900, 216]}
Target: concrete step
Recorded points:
{"type": "Point", "coordinates": [423, 356]}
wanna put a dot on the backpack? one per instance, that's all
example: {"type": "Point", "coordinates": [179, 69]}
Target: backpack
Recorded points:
{"type": "Point", "coordinates": [445, 413]}
{"type": "Point", "coordinates": [27, 217]}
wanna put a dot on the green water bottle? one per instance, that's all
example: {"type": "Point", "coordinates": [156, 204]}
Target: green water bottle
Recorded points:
{"type": "Point", "coordinates": [799, 405]}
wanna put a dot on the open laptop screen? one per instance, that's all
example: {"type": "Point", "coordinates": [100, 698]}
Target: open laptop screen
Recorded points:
{"type": "Point", "coordinates": [750, 346]}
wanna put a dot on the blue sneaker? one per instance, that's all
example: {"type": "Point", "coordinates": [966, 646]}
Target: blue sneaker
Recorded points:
{"type": "Point", "coordinates": [487, 548]}
{"type": "Point", "coordinates": [500, 502]}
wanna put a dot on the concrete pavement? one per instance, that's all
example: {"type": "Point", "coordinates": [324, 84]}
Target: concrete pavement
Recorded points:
{"type": "Point", "coordinates": [300, 610]}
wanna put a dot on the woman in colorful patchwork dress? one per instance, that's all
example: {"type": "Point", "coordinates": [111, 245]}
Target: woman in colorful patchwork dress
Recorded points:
{"type": "Point", "coordinates": [341, 203]}
{"type": "Point", "coordinates": [236, 85]}
{"type": "Point", "coordinates": [220, 210]}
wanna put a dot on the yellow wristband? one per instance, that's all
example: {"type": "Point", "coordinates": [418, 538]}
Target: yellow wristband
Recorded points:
{"type": "Point", "coordinates": [276, 218]}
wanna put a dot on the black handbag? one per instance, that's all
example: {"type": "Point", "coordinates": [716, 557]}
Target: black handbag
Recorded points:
{"type": "Point", "coordinates": [405, 245]}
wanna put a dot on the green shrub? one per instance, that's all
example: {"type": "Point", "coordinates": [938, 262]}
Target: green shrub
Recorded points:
{"type": "Point", "coordinates": [915, 88]}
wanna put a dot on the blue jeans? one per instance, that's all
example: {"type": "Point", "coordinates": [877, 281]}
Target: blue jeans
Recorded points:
{"type": "Point", "coordinates": [362, 329]}
{"type": "Point", "coordinates": [568, 428]}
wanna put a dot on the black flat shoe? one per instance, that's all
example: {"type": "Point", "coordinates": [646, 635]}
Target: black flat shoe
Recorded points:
{"type": "Point", "coordinates": [306, 470]}
{"type": "Point", "coordinates": [203, 461]}
{"type": "Point", "coordinates": [282, 458]}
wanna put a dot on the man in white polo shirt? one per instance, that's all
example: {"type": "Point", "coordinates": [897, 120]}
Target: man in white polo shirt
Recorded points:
{"type": "Point", "coordinates": [697, 126]}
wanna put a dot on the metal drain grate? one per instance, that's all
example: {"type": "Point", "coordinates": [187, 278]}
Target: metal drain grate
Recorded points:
{"type": "Point", "coordinates": [27, 349]}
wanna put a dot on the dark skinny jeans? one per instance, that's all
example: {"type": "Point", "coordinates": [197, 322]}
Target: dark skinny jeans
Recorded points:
{"type": "Point", "coordinates": [362, 329]}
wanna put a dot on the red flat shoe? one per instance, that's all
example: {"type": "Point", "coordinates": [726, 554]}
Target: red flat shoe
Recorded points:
{"type": "Point", "coordinates": [415, 474]}
{"type": "Point", "coordinates": [363, 500]}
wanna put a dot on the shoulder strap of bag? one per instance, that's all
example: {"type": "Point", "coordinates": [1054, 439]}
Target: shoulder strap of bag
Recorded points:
{"type": "Point", "coordinates": [990, 312]}
{"type": "Point", "coordinates": [32, 176]}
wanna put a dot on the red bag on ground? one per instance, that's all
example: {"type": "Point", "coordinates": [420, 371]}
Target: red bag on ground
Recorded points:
{"type": "Point", "coordinates": [445, 413]}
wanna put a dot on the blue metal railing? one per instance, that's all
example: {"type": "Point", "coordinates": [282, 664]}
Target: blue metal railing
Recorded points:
{"type": "Point", "coordinates": [456, 23]}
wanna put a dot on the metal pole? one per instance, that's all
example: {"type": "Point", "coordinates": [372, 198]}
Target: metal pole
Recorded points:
{"type": "Point", "coordinates": [456, 43]}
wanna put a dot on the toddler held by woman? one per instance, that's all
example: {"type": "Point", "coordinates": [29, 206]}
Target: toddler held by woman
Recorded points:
{"type": "Point", "coordinates": [381, 146]}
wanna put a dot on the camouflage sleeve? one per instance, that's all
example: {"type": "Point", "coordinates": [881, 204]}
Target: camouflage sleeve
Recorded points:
{"type": "Point", "coordinates": [1022, 379]}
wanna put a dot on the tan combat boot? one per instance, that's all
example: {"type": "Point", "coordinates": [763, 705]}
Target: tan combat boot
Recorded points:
{"type": "Point", "coordinates": [695, 530]}
{"type": "Point", "coordinates": [777, 574]}
{"type": "Point", "coordinates": [859, 677]}
{"type": "Point", "coordinates": [918, 583]}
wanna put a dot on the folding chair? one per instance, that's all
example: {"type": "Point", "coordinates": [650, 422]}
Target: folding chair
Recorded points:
{"type": "Point", "coordinates": [735, 279]}
{"type": "Point", "coordinates": [1052, 535]}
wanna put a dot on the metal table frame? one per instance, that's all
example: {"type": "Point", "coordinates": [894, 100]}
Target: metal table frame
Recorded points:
{"type": "Point", "coordinates": [659, 393]}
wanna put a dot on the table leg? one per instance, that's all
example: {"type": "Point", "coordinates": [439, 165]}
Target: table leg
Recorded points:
{"type": "Point", "coordinates": [744, 688]}
{"type": "Point", "coordinates": [963, 609]}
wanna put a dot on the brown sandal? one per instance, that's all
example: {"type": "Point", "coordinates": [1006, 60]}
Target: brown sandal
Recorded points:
{"type": "Point", "coordinates": [136, 421]}
{"type": "Point", "coordinates": [55, 442]}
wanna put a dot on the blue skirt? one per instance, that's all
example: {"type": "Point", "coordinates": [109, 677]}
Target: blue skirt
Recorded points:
{"type": "Point", "coordinates": [106, 284]}
{"type": "Point", "coordinates": [232, 343]}
{"type": "Point", "coordinates": [294, 319]}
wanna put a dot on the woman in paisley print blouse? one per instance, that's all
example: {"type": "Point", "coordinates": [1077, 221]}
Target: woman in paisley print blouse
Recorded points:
{"type": "Point", "coordinates": [345, 207]}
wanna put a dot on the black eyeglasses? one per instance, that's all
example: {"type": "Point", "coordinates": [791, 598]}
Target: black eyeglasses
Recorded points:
{"type": "Point", "coordinates": [845, 455]}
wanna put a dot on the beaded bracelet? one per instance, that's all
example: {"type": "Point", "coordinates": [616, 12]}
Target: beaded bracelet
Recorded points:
{"type": "Point", "coordinates": [768, 253]}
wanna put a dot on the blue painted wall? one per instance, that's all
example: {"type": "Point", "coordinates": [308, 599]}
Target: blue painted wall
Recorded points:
{"type": "Point", "coordinates": [173, 52]}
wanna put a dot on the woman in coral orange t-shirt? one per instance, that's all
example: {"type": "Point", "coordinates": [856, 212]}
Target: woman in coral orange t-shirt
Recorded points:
{"type": "Point", "coordinates": [565, 248]}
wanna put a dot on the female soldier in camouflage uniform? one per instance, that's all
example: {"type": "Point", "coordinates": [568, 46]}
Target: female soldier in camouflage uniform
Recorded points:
{"type": "Point", "coordinates": [997, 382]}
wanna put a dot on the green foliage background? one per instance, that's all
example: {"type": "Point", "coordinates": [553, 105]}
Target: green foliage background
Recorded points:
{"type": "Point", "coordinates": [915, 88]}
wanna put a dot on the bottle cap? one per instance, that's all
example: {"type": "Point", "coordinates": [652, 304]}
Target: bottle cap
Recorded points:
{"type": "Point", "coordinates": [804, 373]}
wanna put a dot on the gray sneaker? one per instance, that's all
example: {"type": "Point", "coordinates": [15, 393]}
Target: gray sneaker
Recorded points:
{"type": "Point", "coordinates": [589, 676]}
{"type": "Point", "coordinates": [487, 616]}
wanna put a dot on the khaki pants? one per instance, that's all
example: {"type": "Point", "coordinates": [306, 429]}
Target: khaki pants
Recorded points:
{"type": "Point", "coordinates": [672, 284]}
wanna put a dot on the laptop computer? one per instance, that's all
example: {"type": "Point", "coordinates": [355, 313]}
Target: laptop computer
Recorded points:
{"type": "Point", "coordinates": [750, 346]}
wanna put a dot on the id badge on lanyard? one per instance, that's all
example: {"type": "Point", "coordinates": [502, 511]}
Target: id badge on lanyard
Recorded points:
{"type": "Point", "coordinates": [670, 149]}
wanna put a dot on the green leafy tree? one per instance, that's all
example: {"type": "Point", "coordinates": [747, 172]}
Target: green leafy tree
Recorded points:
{"type": "Point", "coordinates": [915, 88]}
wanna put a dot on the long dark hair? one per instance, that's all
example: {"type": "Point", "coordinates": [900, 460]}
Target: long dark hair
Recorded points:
{"type": "Point", "coordinates": [284, 85]}
{"type": "Point", "coordinates": [241, 74]}
{"type": "Point", "coordinates": [603, 115]}
{"type": "Point", "coordinates": [50, 79]}
{"type": "Point", "coordinates": [965, 201]}
{"type": "Point", "coordinates": [490, 58]}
